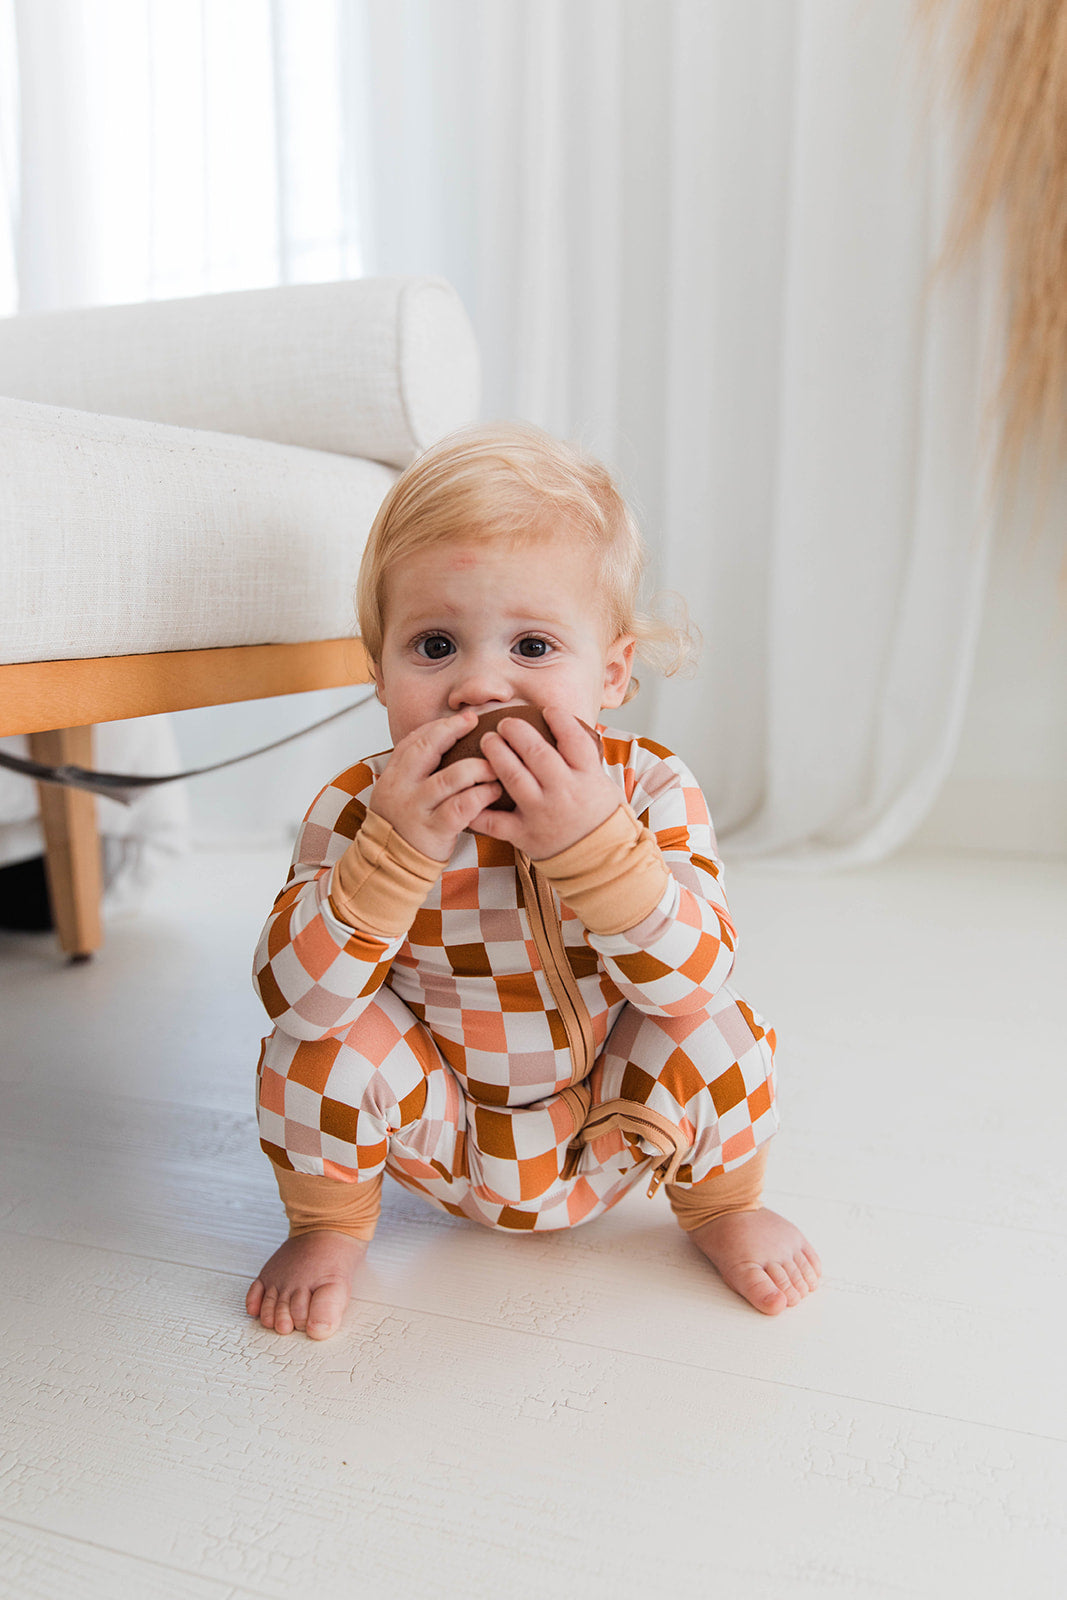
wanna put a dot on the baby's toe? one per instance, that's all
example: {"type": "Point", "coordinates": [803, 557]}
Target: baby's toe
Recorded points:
{"type": "Point", "coordinates": [796, 1278]}
{"type": "Point", "coordinates": [254, 1298]}
{"type": "Point", "coordinates": [781, 1276]}
{"type": "Point", "coordinates": [267, 1306]}
{"type": "Point", "coordinates": [326, 1309]}
{"type": "Point", "coordinates": [810, 1268]}
{"type": "Point", "coordinates": [757, 1286]}
{"type": "Point", "coordinates": [299, 1301]}
{"type": "Point", "coordinates": [274, 1312]}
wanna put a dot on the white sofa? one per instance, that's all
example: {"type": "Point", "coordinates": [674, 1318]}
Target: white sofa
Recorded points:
{"type": "Point", "coordinates": [185, 492]}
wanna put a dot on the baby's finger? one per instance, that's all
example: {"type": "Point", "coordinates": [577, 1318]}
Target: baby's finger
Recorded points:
{"type": "Point", "coordinates": [573, 740]}
{"type": "Point", "coordinates": [532, 748]}
{"type": "Point", "coordinates": [511, 767]}
{"type": "Point", "coordinates": [460, 810]}
{"type": "Point", "coordinates": [422, 749]}
{"type": "Point", "coordinates": [495, 824]}
{"type": "Point", "coordinates": [523, 738]}
{"type": "Point", "coordinates": [462, 775]}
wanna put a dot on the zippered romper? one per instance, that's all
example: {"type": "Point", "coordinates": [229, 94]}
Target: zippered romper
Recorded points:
{"type": "Point", "coordinates": [519, 1042]}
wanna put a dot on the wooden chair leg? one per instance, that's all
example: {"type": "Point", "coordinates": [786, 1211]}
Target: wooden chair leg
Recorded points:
{"type": "Point", "coordinates": [72, 843]}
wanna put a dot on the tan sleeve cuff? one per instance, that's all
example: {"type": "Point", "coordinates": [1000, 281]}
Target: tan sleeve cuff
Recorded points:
{"type": "Point", "coordinates": [313, 1202]}
{"type": "Point", "coordinates": [381, 881]}
{"type": "Point", "coordinates": [613, 878]}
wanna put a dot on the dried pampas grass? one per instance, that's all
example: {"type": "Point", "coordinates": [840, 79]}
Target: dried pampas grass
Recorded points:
{"type": "Point", "coordinates": [1009, 62]}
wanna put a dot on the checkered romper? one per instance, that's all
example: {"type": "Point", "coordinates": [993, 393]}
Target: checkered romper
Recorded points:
{"type": "Point", "coordinates": [445, 1055]}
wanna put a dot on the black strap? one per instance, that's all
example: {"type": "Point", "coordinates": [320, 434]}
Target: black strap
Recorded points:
{"type": "Point", "coordinates": [125, 786]}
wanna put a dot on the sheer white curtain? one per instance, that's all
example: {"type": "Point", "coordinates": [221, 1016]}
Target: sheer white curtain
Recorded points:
{"type": "Point", "coordinates": [699, 237]}
{"type": "Point", "coordinates": [160, 148]}
{"type": "Point", "coordinates": [168, 148]}
{"type": "Point", "coordinates": [694, 235]}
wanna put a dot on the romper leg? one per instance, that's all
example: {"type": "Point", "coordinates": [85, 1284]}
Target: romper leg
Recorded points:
{"type": "Point", "coordinates": [340, 1107]}
{"type": "Point", "coordinates": [380, 1097]}
{"type": "Point", "coordinates": [709, 1076]}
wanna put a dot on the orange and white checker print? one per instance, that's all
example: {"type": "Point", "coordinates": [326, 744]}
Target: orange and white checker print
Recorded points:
{"type": "Point", "coordinates": [441, 1055]}
{"type": "Point", "coordinates": [468, 965]}
{"type": "Point", "coordinates": [382, 1098]}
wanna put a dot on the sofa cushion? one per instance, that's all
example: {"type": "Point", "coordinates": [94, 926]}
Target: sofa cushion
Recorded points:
{"type": "Point", "coordinates": [375, 367]}
{"type": "Point", "coordinates": [121, 537]}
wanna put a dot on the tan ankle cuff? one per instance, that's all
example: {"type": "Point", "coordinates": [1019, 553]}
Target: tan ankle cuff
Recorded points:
{"type": "Point", "coordinates": [739, 1190]}
{"type": "Point", "coordinates": [313, 1202]}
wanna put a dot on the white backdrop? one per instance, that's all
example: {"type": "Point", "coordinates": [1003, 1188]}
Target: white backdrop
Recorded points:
{"type": "Point", "coordinates": [700, 238]}
{"type": "Point", "coordinates": [697, 236]}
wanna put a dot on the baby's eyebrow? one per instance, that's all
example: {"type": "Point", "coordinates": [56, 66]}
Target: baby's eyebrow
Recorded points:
{"type": "Point", "coordinates": [445, 616]}
{"type": "Point", "coordinates": [441, 617]}
{"type": "Point", "coordinates": [545, 619]}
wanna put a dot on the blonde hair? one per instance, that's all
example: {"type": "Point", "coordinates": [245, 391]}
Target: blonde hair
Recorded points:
{"type": "Point", "coordinates": [513, 483]}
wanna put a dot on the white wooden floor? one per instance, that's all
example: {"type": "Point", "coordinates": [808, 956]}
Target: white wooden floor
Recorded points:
{"type": "Point", "coordinates": [585, 1414]}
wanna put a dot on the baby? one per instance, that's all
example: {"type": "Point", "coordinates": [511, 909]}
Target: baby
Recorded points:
{"type": "Point", "coordinates": [519, 1013]}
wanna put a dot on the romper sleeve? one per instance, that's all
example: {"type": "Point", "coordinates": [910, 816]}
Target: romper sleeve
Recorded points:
{"type": "Point", "coordinates": [353, 890]}
{"type": "Point", "coordinates": [647, 885]}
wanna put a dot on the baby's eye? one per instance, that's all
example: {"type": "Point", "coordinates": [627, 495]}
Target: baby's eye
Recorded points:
{"type": "Point", "coordinates": [435, 646]}
{"type": "Point", "coordinates": [533, 648]}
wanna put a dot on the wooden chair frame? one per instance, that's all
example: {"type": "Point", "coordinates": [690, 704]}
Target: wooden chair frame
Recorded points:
{"type": "Point", "coordinates": [58, 702]}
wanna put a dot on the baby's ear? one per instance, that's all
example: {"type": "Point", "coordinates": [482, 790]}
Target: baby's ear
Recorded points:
{"type": "Point", "coordinates": [617, 667]}
{"type": "Point", "coordinates": [376, 674]}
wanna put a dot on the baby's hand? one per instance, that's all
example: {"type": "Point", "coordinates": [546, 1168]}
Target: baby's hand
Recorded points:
{"type": "Point", "coordinates": [428, 808]}
{"type": "Point", "coordinates": [560, 794]}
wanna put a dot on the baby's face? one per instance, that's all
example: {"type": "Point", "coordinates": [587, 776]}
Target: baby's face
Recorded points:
{"type": "Point", "coordinates": [468, 627]}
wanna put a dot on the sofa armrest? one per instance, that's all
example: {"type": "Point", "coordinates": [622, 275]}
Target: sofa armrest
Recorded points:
{"type": "Point", "coordinates": [374, 367]}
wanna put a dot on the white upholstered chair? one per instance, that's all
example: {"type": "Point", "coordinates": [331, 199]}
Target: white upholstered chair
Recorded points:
{"type": "Point", "coordinates": [185, 491]}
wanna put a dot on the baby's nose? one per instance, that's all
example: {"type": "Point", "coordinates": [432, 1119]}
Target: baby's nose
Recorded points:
{"type": "Point", "coordinates": [481, 686]}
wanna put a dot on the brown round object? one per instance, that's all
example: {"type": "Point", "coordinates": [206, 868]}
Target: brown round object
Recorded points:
{"type": "Point", "coordinates": [471, 743]}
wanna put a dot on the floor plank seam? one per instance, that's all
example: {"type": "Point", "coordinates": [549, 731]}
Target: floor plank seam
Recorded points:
{"type": "Point", "coordinates": [129, 1555]}
{"type": "Point", "coordinates": [583, 1344]}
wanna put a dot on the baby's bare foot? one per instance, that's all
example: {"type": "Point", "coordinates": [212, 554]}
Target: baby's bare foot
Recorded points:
{"type": "Point", "coordinates": [762, 1256]}
{"type": "Point", "coordinates": [306, 1284]}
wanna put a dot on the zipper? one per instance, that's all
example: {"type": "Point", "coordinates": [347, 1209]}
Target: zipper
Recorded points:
{"type": "Point", "coordinates": [548, 937]}
{"type": "Point", "coordinates": [577, 1024]}
{"type": "Point", "coordinates": [630, 1117]}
